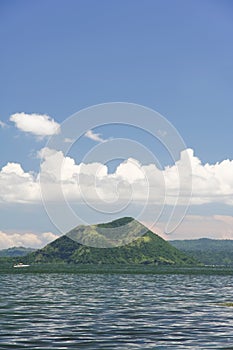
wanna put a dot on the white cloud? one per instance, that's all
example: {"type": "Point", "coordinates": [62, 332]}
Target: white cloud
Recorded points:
{"type": "Point", "coordinates": [210, 183]}
{"type": "Point", "coordinates": [37, 124]}
{"type": "Point", "coordinates": [94, 136]}
{"type": "Point", "coordinates": [8, 240]}
{"type": "Point", "coordinates": [130, 170]}
{"type": "Point", "coordinates": [69, 140]}
{"type": "Point", "coordinates": [131, 180]}
{"type": "Point", "coordinates": [2, 124]}
{"type": "Point", "coordinates": [17, 186]}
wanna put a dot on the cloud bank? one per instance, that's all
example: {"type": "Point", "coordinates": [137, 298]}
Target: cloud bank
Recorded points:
{"type": "Point", "coordinates": [211, 183]}
{"type": "Point", "coordinates": [32, 240]}
{"type": "Point", "coordinates": [37, 124]}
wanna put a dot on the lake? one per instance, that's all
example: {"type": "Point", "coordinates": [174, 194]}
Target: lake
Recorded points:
{"type": "Point", "coordinates": [114, 311]}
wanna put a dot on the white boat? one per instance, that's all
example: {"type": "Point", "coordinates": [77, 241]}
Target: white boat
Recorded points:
{"type": "Point", "coordinates": [21, 265]}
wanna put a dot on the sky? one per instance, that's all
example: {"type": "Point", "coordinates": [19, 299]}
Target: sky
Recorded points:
{"type": "Point", "coordinates": [59, 58]}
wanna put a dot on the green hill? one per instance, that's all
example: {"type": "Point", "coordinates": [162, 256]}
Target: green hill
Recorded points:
{"type": "Point", "coordinates": [208, 251]}
{"type": "Point", "coordinates": [15, 252]}
{"type": "Point", "coordinates": [149, 248]}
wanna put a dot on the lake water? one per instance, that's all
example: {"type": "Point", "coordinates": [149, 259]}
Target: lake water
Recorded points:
{"type": "Point", "coordinates": [68, 311]}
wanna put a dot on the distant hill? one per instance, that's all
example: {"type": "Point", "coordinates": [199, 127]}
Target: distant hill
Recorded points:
{"type": "Point", "coordinates": [15, 252]}
{"type": "Point", "coordinates": [208, 251]}
{"type": "Point", "coordinates": [147, 249]}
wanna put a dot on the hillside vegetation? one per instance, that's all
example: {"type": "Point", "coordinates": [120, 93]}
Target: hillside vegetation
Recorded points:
{"type": "Point", "coordinates": [147, 249]}
{"type": "Point", "coordinates": [15, 252]}
{"type": "Point", "coordinates": [207, 251]}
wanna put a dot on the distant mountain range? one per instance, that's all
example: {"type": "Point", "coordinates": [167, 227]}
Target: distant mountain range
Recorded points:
{"type": "Point", "coordinates": [15, 252]}
{"type": "Point", "coordinates": [208, 251]}
{"type": "Point", "coordinates": [149, 248]}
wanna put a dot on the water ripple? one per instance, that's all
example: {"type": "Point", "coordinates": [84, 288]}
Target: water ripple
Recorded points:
{"type": "Point", "coordinates": [59, 311]}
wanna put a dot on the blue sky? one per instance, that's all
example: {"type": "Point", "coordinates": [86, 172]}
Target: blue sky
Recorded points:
{"type": "Point", "coordinates": [58, 57]}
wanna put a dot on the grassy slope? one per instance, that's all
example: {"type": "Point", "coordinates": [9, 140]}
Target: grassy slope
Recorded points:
{"type": "Point", "coordinates": [208, 251]}
{"type": "Point", "coordinates": [148, 249]}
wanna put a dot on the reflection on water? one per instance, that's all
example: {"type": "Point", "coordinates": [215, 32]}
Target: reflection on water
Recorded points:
{"type": "Point", "coordinates": [59, 311]}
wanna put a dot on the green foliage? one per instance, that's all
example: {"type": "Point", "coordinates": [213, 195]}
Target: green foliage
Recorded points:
{"type": "Point", "coordinates": [118, 232]}
{"type": "Point", "coordinates": [147, 249]}
{"type": "Point", "coordinates": [208, 251]}
{"type": "Point", "coordinates": [15, 251]}
{"type": "Point", "coordinates": [117, 223]}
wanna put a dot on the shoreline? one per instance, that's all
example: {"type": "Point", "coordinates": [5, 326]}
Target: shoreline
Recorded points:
{"type": "Point", "coordinates": [118, 269]}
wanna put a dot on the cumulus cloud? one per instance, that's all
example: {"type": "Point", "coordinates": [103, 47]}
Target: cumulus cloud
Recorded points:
{"type": "Point", "coordinates": [18, 186]}
{"type": "Point", "coordinates": [8, 240]}
{"type": "Point", "coordinates": [37, 124]}
{"type": "Point", "coordinates": [211, 183]}
{"type": "Point", "coordinates": [94, 136]}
